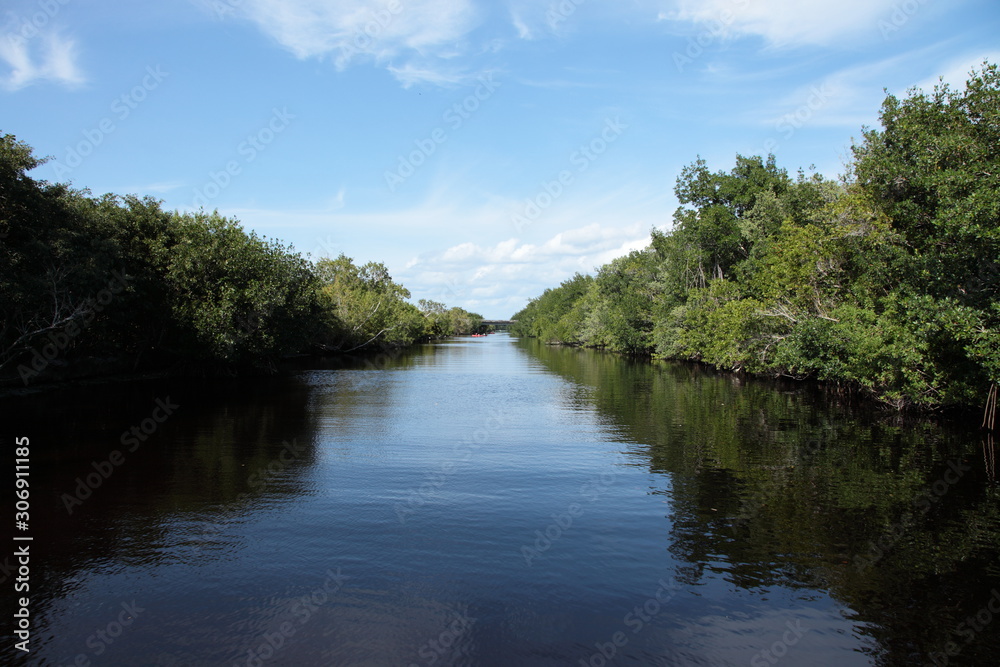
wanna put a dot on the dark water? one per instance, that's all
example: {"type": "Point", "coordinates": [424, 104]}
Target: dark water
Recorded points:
{"type": "Point", "coordinates": [495, 502]}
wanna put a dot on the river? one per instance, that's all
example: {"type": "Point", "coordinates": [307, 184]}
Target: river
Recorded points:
{"type": "Point", "coordinates": [490, 501]}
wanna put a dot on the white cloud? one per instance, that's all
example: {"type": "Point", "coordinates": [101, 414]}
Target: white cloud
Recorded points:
{"type": "Point", "coordinates": [494, 279]}
{"type": "Point", "coordinates": [419, 33]}
{"type": "Point", "coordinates": [44, 57]}
{"type": "Point", "coordinates": [533, 19]}
{"type": "Point", "coordinates": [851, 97]}
{"type": "Point", "coordinates": [410, 74]}
{"type": "Point", "coordinates": [498, 279]}
{"type": "Point", "coordinates": [523, 31]}
{"type": "Point", "coordinates": [476, 257]}
{"type": "Point", "coordinates": [785, 22]}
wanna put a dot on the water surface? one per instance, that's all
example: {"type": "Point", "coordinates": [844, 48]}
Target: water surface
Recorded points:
{"type": "Point", "coordinates": [490, 501]}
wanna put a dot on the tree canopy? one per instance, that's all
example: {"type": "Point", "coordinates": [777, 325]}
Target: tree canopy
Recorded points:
{"type": "Point", "coordinates": [108, 284]}
{"type": "Point", "coordinates": [885, 280]}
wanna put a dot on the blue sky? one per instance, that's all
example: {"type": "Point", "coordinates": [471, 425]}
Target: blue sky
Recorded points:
{"type": "Point", "coordinates": [483, 151]}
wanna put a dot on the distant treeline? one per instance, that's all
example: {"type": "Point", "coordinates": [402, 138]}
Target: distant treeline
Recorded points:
{"type": "Point", "coordinates": [91, 285]}
{"type": "Point", "coordinates": [887, 281]}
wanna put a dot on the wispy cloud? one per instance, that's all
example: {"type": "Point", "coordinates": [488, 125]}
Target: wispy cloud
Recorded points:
{"type": "Point", "coordinates": [410, 37]}
{"type": "Point", "coordinates": [523, 30]}
{"type": "Point", "coordinates": [534, 19]}
{"type": "Point", "coordinates": [850, 97]}
{"type": "Point", "coordinates": [46, 57]}
{"type": "Point", "coordinates": [785, 23]}
{"type": "Point", "coordinates": [412, 73]}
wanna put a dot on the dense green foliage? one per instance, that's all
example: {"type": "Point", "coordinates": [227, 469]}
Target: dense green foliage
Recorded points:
{"type": "Point", "coordinates": [443, 321]}
{"type": "Point", "coordinates": [98, 284]}
{"type": "Point", "coordinates": [887, 280]}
